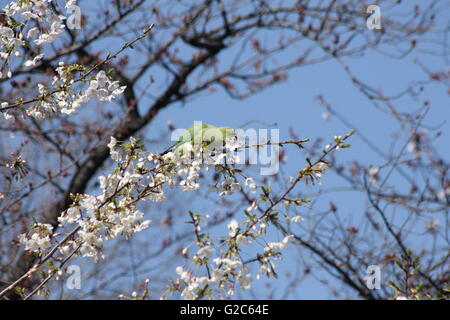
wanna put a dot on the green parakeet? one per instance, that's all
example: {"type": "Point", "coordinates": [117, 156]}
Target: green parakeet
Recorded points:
{"type": "Point", "coordinates": [214, 138]}
{"type": "Point", "coordinates": [209, 136]}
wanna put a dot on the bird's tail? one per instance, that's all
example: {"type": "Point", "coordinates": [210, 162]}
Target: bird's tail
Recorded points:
{"type": "Point", "coordinates": [168, 149]}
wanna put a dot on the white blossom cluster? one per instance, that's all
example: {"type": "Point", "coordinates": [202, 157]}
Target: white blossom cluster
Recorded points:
{"type": "Point", "coordinates": [39, 240]}
{"type": "Point", "coordinates": [272, 249]}
{"type": "Point", "coordinates": [95, 224]}
{"type": "Point", "coordinates": [21, 28]}
{"type": "Point", "coordinates": [66, 93]}
{"type": "Point", "coordinates": [69, 100]}
{"type": "Point", "coordinates": [226, 270]}
{"type": "Point", "coordinates": [98, 218]}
